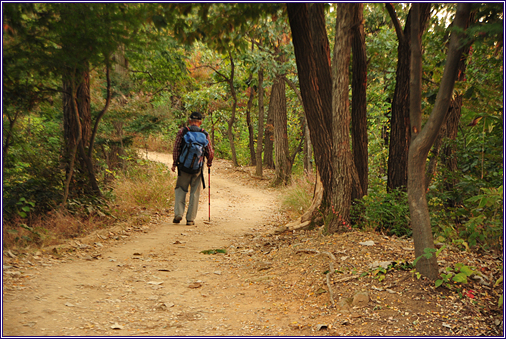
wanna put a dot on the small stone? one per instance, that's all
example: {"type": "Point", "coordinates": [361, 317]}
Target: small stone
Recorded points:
{"type": "Point", "coordinates": [264, 266]}
{"type": "Point", "coordinates": [383, 264]}
{"type": "Point", "coordinates": [320, 327]}
{"type": "Point", "coordinates": [195, 285]}
{"type": "Point", "coordinates": [360, 299]}
{"type": "Point", "coordinates": [117, 326]}
{"type": "Point", "coordinates": [367, 243]}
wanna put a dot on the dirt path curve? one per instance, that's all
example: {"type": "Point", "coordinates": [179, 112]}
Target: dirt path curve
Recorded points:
{"type": "Point", "coordinates": [149, 279]}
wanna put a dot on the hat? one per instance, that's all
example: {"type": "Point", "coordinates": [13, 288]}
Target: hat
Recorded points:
{"type": "Point", "coordinates": [196, 116]}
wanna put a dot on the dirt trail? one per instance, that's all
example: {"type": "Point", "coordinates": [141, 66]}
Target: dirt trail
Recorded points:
{"type": "Point", "coordinates": [149, 278]}
{"type": "Point", "coordinates": [152, 281]}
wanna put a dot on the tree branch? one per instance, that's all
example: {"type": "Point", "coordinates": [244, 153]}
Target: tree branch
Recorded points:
{"type": "Point", "coordinates": [395, 20]}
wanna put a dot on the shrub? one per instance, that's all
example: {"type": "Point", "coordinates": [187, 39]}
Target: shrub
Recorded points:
{"type": "Point", "coordinates": [383, 211]}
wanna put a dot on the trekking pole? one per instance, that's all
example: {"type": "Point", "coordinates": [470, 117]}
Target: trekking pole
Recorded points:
{"type": "Point", "coordinates": [209, 188]}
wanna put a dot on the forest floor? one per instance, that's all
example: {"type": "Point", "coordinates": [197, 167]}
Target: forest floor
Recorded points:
{"type": "Point", "coordinates": [149, 277]}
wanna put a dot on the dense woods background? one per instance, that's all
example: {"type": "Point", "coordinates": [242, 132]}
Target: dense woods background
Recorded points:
{"type": "Point", "coordinates": [309, 90]}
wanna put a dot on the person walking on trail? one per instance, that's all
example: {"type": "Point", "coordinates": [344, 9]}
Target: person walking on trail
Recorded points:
{"type": "Point", "coordinates": [192, 145]}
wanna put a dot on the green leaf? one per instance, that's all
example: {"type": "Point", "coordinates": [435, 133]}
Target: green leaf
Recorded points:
{"type": "Point", "coordinates": [22, 214]}
{"type": "Point", "coordinates": [467, 271]}
{"type": "Point", "coordinates": [500, 301]}
{"type": "Point", "coordinates": [460, 278]}
{"type": "Point", "coordinates": [439, 282]}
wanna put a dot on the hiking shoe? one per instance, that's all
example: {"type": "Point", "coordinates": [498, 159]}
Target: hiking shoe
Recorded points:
{"type": "Point", "coordinates": [177, 220]}
{"type": "Point", "coordinates": [190, 222]}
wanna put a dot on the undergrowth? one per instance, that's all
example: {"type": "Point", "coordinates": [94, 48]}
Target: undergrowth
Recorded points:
{"type": "Point", "coordinates": [297, 196]}
{"type": "Point", "coordinates": [142, 185]}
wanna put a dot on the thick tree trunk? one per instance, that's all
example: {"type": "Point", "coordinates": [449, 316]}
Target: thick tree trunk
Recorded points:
{"type": "Point", "coordinates": [341, 153]}
{"type": "Point", "coordinates": [423, 139]}
{"type": "Point", "coordinates": [318, 113]}
{"type": "Point", "coordinates": [258, 170]}
{"type": "Point", "coordinates": [359, 101]}
{"type": "Point", "coordinates": [278, 101]}
{"type": "Point", "coordinates": [399, 124]}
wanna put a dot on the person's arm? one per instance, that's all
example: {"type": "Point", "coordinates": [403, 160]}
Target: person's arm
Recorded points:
{"type": "Point", "coordinates": [177, 149]}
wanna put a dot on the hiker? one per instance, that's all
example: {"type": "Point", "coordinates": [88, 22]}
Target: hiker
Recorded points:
{"type": "Point", "coordinates": [191, 146]}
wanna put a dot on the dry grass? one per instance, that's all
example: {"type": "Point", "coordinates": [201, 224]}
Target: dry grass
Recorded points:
{"type": "Point", "coordinates": [144, 186]}
{"type": "Point", "coordinates": [155, 143]}
{"type": "Point", "coordinates": [147, 185]}
{"type": "Point", "coordinates": [49, 229]}
{"type": "Point", "coordinates": [297, 196]}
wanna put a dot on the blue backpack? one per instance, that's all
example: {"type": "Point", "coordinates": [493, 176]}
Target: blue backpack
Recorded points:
{"type": "Point", "coordinates": [191, 159]}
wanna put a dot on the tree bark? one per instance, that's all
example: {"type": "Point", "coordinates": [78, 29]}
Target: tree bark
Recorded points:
{"type": "Point", "coordinates": [422, 139]}
{"type": "Point", "coordinates": [278, 101]}
{"type": "Point", "coordinates": [231, 121]}
{"type": "Point", "coordinates": [258, 170]}
{"type": "Point", "coordinates": [77, 130]}
{"type": "Point", "coordinates": [443, 149]}
{"type": "Point", "coordinates": [399, 124]}
{"type": "Point", "coordinates": [341, 153]}
{"type": "Point", "coordinates": [269, 136]}
{"type": "Point", "coordinates": [251, 140]}
{"type": "Point", "coordinates": [318, 113]}
{"type": "Point", "coordinates": [359, 101]}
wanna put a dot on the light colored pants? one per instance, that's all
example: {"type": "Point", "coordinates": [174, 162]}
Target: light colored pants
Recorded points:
{"type": "Point", "coordinates": [185, 180]}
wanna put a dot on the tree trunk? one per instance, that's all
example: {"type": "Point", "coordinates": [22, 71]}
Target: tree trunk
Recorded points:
{"type": "Point", "coordinates": [251, 140]}
{"type": "Point", "coordinates": [318, 113]}
{"type": "Point", "coordinates": [269, 136]}
{"type": "Point", "coordinates": [341, 153]}
{"type": "Point", "coordinates": [422, 139]}
{"type": "Point", "coordinates": [231, 121]}
{"type": "Point", "coordinates": [278, 101]}
{"type": "Point", "coordinates": [359, 101]}
{"type": "Point", "coordinates": [399, 124]}
{"type": "Point", "coordinates": [77, 129]}
{"type": "Point", "coordinates": [258, 170]}
{"type": "Point", "coordinates": [449, 131]}
{"type": "Point", "coordinates": [307, 148]}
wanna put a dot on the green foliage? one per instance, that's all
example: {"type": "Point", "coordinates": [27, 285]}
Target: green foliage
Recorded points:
{"type": "Point", "coordinates": [383, 211]}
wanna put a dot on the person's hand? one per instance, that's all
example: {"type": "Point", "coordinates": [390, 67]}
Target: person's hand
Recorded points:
{"type": "Point", "coordinates": [173, 168]}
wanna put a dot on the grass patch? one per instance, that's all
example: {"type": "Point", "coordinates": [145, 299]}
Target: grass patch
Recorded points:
{"type": "Point", "coordinates": [296, 198]}
{"type": "Point", "coordinates": [218, 250]}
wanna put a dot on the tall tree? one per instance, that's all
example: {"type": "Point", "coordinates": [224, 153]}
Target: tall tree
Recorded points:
{"type": "Point", "coordinates": [423, 138]}
{"type": "Point", "coordinates": [269, 136]}
{"type": "Point", "coordinates": [278, 101]}
{"type": "Point", "coordinates": [249, 124]}
{"type": "Point", "coordinates": [359, 100]}
{"type": "Point", "coordinates": [399, 124]}
{"type": "Point", "coordinates": [341, 154]}
{"type": "Point", "coordinates": [258, 170]}
{"type": "Point", "coordinates": [312, 56]}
